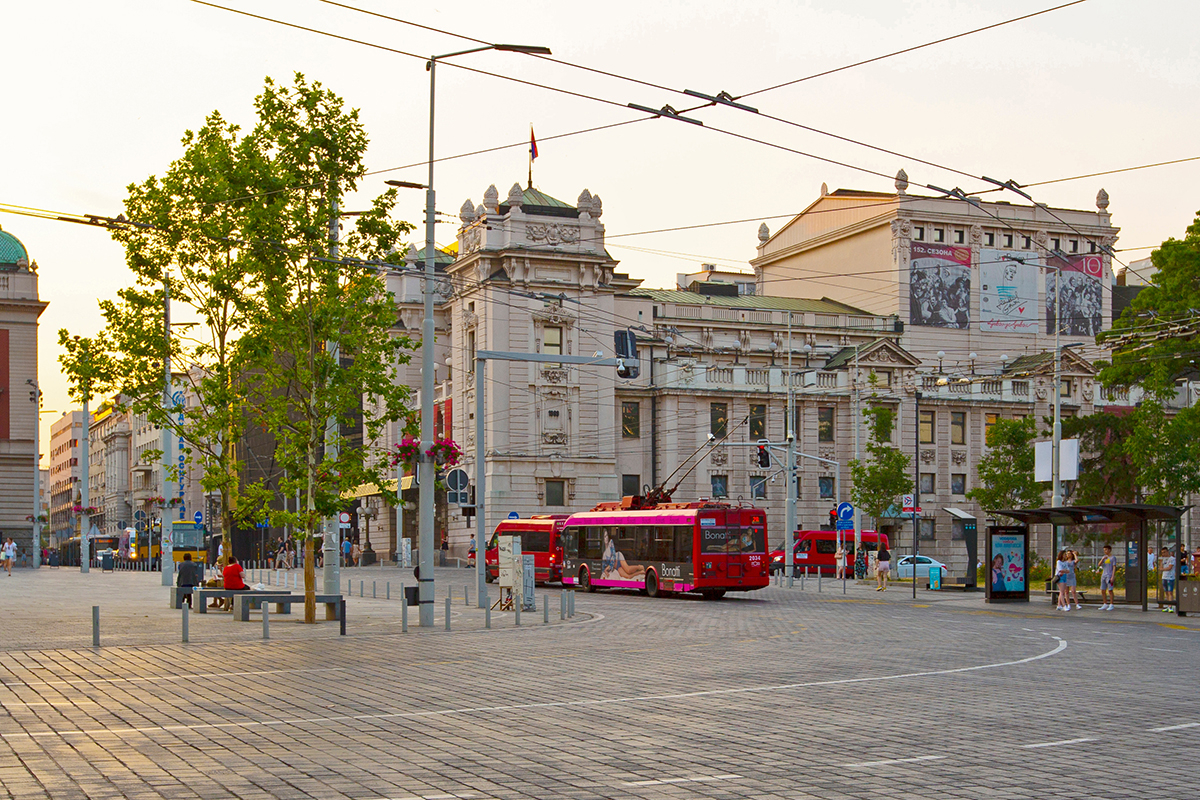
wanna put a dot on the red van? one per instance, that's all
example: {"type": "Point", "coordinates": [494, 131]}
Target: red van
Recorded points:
{"type": "Point", "coordinates": [540, 536]}
{"type": "Point", "coordinates": [817, 551]}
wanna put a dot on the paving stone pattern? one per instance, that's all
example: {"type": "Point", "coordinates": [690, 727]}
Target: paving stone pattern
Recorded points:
{"type": "Point", "coordinates": [781, 693]}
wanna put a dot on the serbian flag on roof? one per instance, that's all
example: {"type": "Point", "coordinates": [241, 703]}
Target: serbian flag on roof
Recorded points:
{"type": "Point", "coordinates": [532, 144]}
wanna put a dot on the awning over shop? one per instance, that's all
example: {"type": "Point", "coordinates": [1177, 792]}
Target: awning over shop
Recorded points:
{"type": "Point", "coordinates": [958, 513]}
{"type": "Point", "coordinates": [370, 489]}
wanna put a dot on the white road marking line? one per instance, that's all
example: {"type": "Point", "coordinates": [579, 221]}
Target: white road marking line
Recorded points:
{"type": "Point", "coordinates": [1162, 650]}
{"type": "Point", "coordinates": [1053, 744]}
{"type": "Point", "coordinates": [1061, 646]}
{"type": "Point", "coordinates": [1175, 727]}
{"type": "Point", "coordinates": [893, 761]}
{"type": "Point", "coordinates": [1097, 644]}
{"type": "Point", "coordinates": [697, 779]}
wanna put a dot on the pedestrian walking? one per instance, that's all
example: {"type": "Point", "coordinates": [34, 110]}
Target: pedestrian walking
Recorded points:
{"type": "Point", "coordinates": [883, 569]}
{"type": "Point", "coordinates": [840, 560]}
{"type": "Point", "coordinates": [10, 555]}
{"type": "Point", "coordinates": [1108, 571]}
{"type": "Point", "coordinates": [190, 575]}
{"type": "Point", "coordinates": [355, 554]}
{"type": "Point", "coordinates": [346, 552]}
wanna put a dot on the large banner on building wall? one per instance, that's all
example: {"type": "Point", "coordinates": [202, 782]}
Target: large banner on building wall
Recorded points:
{"type": "Point", "coordinates": [939, 285]}
{"type": "Point", "coordinates": [1008, 293]}
{"type": "Point", "coordinates": [1082, 294]}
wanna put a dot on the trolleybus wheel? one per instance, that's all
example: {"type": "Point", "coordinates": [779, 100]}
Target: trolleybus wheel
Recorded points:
{"type": "Point", "coordinates": [585, 579]}
{"type": "Point", "coordinates": [713, 594]}
{"type": "Point", "coordinates": [652, 583]}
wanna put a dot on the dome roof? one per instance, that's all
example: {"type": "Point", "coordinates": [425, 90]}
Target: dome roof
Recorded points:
{"type": "Point", "coordinates": [12, 252]}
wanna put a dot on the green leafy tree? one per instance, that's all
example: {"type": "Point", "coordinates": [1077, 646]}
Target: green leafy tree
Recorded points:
{"type": "Point", "coordinates": [1155, 335]}
{"type": "Point", "coordinates": [1107, 472]}
{"type": "Point", "coordinates": [187, 228]}
{"type": "Point", "coordinates": [883, 475]}
{"type": "Point", "coordinates": [1006, 471]}
{"type": "Point", "coordinates": [307, 141]}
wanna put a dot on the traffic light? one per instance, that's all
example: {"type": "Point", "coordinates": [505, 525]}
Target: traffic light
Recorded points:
{"type": "Point", "coordinates": [627, 355]}
{"type": "Point", "coordinates": [833, 517]}
{"type": "Point", "coordinates": [764, 457]}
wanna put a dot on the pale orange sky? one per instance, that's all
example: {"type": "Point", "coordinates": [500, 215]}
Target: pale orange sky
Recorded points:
{"type": "Point", "coordinates": [98, 95]}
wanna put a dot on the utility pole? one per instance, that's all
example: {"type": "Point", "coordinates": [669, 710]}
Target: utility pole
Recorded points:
{"type": "Point", "coordinates": [916, 486]}
{"type": "Point", "coordinates": [166, 556]}
{"type": "Point", "coordinates": [330, 546]}
{"type": "Point", "coordinates": [790, 427]}
{"type": "Point", "coordinates": [857, 457]}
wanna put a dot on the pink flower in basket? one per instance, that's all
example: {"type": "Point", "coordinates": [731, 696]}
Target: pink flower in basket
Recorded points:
{"type": "Point", "coordinates": [406, 452]}
{"type": "Point", "coordinates": [445, 452]}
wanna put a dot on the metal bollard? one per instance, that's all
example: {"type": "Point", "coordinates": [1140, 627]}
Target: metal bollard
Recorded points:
{"type": "Point", "coordinates": [342, 617]}
{"type": "Point", "coordinates": [571, 604]}
{"type": "Point", "coordinates": [487, 617]}
{"type": "Point", "coordinates": [843, 583]}
{"type": "Point", "coordinates": [185, 608]}
{"type": "Point", "coordinates": [545, 608]}
{"type": "Point", "coordinates": [517, 611]}
{"type": "Point", "coordinates": [360, 588]}
{"type": "Point", "coordinates": [802, 577]}
{"type": "Point", "coordinates": [349, 591]}
{"type": "Point", "coordinates": [373, 590]}
{"type": "Point", "coordinates": [562, 605]}
{"type": "Point", "coordinates": [447, 613]}
{"type": "Point", "coordinates": [403, 612]}
{"type": "Point", "coordinates": [820, 575]}
{"type": "Point", "coordinates": [95, 626]}
{"type": "Point", "coordinates": [467, 596]}
{"type": "Point", "coordinates": [388, 586]}
{"type": "Point", "coordinates": [266, 609]}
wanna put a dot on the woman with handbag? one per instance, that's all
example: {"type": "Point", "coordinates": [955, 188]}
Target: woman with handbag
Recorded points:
{"type": "Point", "coordinates": [1060, 572]}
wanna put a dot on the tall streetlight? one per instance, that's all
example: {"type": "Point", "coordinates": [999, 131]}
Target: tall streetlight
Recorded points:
{"type": "Point", "coordinates": [425, 465]}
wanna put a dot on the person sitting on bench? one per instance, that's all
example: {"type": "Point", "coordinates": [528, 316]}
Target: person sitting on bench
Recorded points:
{"type": "Point", "coordinates": [190, 575]}
{"type": "Point", "coordinates": [234, 577]}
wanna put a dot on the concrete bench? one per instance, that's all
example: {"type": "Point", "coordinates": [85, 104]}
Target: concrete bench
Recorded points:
{"type": "Point", "coordinates": [200, 597]}
{"type": "Point", "coordinates": [178, 593]}
{"type": "Point", "coordinates": [244, 602]}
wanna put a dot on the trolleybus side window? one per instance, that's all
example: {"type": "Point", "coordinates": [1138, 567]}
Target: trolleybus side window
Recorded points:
{"type": "Point", "coordinates": [591, 542]}
{"type": "Point", "coordinates": [683, 543]}
{"type": "Point", "coordinates": [534, 541]}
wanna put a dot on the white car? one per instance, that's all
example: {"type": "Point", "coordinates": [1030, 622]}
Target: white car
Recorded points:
{"type": "Point", "coordinates": [904, 567]}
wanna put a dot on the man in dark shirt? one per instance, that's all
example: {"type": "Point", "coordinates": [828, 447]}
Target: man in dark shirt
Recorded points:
{"type": "Point", "coordinates": [190, 575]}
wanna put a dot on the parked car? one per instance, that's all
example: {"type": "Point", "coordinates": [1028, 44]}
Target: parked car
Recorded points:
{"type": "Point", "coordinates": [904, 567]}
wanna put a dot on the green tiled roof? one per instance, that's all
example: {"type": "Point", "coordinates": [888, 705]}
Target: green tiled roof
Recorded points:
{"type": "Point", "coordinates": [846, 355]}
{"type": "Point", "coordinates": [533, 197]}
{"type": "Point", "coordinates": [11, 249]}
{"type": "Point", "coordinates": [1030, 363]}
{"type": "Point", "coordinates": [799, 304]}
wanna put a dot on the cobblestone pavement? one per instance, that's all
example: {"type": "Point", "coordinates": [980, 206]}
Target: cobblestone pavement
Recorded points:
{"type": "Point", "coordinates": [781, 693]}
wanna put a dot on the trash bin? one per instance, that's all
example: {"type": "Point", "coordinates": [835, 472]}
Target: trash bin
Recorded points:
{"type": "Point", "coordinates": [411, 595]}
{"type": "Point", "coordinates": [106, 561]}
{"type": "Point", "coordinates": [53, 558]}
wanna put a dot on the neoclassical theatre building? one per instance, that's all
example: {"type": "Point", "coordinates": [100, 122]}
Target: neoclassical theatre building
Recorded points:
{"type": "Point", "coordinates": [863, 297]}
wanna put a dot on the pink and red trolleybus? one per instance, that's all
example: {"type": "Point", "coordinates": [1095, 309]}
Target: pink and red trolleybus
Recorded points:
{"type": "Point", "coordinates": [705, 547]}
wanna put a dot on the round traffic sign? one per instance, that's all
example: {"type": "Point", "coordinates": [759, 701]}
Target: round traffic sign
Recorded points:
{"type": "Point", "coordinates": [457, 480]}
{"type": "Point", "coordinates": [199, 517]}
{"type": "Point", "coordinates": [845, 511]}
{"type": "Point", "coordinates": [344, 517]}
{"type": "Point", "coordinates": [513, 515]}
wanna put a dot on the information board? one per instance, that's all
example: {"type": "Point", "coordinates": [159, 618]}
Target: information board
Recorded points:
{"type": "Point", "coordinates": [1006, 571]}
{"type": "Point", "coordinates": [528, 574]}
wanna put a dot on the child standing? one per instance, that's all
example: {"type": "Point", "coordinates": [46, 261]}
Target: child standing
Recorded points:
{"type": "Point", "coordinates": [1108, 570]}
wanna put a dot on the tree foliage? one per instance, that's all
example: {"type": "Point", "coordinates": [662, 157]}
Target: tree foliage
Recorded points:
{"type": "Point", "coordinates": [1107, 471]}
{"type": "Point", "coordinates": [240, 227]}
{"type": "Point", "coordinates": [883, 475]}
{"type": "Point", "coordinates": [1006, 470]}
{"type": "Point", "coordinates": [1157, 331]}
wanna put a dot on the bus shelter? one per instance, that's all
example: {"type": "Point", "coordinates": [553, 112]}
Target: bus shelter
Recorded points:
{"type": "Point", "coordinates": [1134, 516]}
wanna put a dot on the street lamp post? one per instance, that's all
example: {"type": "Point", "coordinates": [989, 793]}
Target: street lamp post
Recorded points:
{"type": "Point", "coordinates": [425, 464]}
{"type": "Point", "coordinates": [916, 488]}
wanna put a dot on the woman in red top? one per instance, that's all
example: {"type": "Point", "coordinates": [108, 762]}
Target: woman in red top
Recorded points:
{"type": "Point", "coordinates": [232, 579]}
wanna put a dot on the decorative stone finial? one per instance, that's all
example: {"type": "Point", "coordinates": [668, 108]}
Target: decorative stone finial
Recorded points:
{"type": "Point", "coordinates": [597, 206]}
{"type": "Point", "coordinates": [467, 212]}
{"type": "Point", "coordinates": [1102, 200]}
{"type": "Point", "coordinates": [584, 203]}
{"type": "Point", "coordinates": [515, 196]}
{"type": "Point", "coordinates": [491, 199]}
{"type": "Point", "coordinates": [764, 233]}
{"type": "Point", "coordinates": [901, 182]}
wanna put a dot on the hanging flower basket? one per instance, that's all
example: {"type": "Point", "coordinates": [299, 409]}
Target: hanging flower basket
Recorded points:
{"type": "Point", "coordinates": [174, 501]}
{"type": "Point", "coordinates": [445, 452]}
{"type": "Point", "coordinates": [89, 510]}
{"type": "Point", "coordinates": [157, 500]}
{"type": "Point", "coordinates": [406, 452]}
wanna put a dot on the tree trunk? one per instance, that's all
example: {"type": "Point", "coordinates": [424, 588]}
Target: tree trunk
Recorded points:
{"type": "Point", "coordinates": [310, 580]}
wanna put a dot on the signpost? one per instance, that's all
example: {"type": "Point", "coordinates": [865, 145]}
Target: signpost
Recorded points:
{"type": "Point", "coordinates": [907, 505]}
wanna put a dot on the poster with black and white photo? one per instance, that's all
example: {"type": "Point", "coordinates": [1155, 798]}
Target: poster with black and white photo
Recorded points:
{"type": "Point", "coordinates": [939, 285]}
{"type": "Point", "coordinates": [1082, 294]}
{"type": "Point", "coordinates": [1008, 291]}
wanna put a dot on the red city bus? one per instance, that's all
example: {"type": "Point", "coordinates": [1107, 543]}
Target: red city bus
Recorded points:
{"type": "Point", "coordinates": [817, 551]}
{"type": "Point", "coordinates": [703, 547]}
{"type": "Point", "coordinates": [540, 535]}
